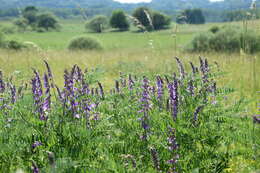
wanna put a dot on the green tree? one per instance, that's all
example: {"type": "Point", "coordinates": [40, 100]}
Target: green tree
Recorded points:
{"type": "Point", "coordinates": [30, 13]}
{"type": "Point", "coordinates": [191, 16]}
{"type": "Point", "coordinates": [119, 20]}
{"type": "Point", "coordinates": [47, 21]}
{"type": "Point", "coordinates": [160, 20]}
{"type": "Point", "coordinates": [97, 24]}
{"type": "Point", "coordinates": [144, 16]}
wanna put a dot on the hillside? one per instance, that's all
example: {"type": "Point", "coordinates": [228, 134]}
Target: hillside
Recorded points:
{"type": "Point", "coordinates": [164, 5]}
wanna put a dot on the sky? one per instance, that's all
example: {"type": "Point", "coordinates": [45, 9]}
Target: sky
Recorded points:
{"type": "Point", "coordinates": [137, 1]}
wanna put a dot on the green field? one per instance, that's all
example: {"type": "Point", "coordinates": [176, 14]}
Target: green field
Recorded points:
{"type": "Point", "coordinates": [131, 52]}
{"type": "Point", "coordinates": [144, 54]}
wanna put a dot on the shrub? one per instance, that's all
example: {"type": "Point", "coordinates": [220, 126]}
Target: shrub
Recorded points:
{"type": "Point", "coordinates": [14, 45]}
{"type": "Point", "coordinates": [84, 43]}
{"type": "Point", "coordinates": [200, 43]}
{"type": "Point", "coordinates": [160, 20]}
{"type": "Point", "coordinates": [226, 39]}
{"type": "Point", "coordinates": [214, 29]}
{"type": "Point", "coordinates": [191, 16]}
{"type": "Point", "coordinates": [47, 21]}
{"type": "Point", "coordinates": [119, 20]}
{"type": "Point", "coordinates": [250, 42]}
{"type": "Point", "coordinates": [97, 24]}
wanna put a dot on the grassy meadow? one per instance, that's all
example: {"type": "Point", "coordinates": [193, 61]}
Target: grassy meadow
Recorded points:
{"type": "Point", "coordinates": [132, 52]}
{"type": "Point", "coordinates": [144, 54]}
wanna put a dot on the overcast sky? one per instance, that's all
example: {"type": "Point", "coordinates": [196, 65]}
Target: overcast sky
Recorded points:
{"type": "Point", "coordinates": [136, 1]}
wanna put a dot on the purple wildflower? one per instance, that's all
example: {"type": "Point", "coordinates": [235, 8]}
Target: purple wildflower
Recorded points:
{"type": "Point", "coordinates": [194, 71]}
{"type": "Point", "coordinates": [173, 92]}
{"type": "Point", "coordinates": [35, 168]}
{"type": "Point", "coordinates": [2, 83]}
{"type": "Point", "coordinates": [101, 90]}
{"type": "Point", "coordinates": [160, 90]}
{"type": "Point", "coordinates": [50, 76]}
{"type": "Point", "coordinates": [191, 87]}
{"type": "Point", "coordinates": [256, 119]}
{"type": "Point", "coordinates": [130, 82]}
{"type": "Point", "coordinates": [92, 91]}
{"type": "Point", "coordinates": [36, 144]}
{"type": "Point", "coordinates": [181, 68]}
{"type": "Point", "coordinates": [13, 93]}
{"type": "Point", "coordinates": [204, 70]}
{"type": "Point", "coordinates": [47, 99]}
{"type": "Point", "coordinates": [145, 105]}
{"type": "Point", "coordinates": [197, 111]}
{"type": "Point", "coordinates": [38, 96]}
{"type": "Point", "coordinates": [172, 147]}
{"type": "Point", "coordinates": [117, 87]}
{"type": "Point", "coordinates": [155, 158]}
{"type": "Point", "coordinates": [122, 80]}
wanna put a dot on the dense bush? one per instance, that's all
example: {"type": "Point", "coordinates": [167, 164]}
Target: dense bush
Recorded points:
{"type": "Point", "coordinates": [84, 43]}
{"type": "Point", "coordinates": [98, 24]}
{"type": "Point", "coordinates": [200, 43]}
{"type": "Point", "coordinates": [214, 29]}
{"type": "Point", "coordinates": [160, 20]}
{"type": "Point", "coordinates": [226, 39]}
{"type": "Point", "coordinates": [47, 21]}
{"type": "Point", "coordinates": [14, 45]}
{"type": "Point", "coordinates": [119, 20]}
{"type": "Point", "coordinates": [191, 16]}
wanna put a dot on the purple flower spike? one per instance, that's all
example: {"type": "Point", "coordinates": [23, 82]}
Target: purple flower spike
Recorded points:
{"type": "Point", "coordinates": [2, 83]}
{"type": "Point", "coordinates": [197, 111]}
{"type": "Point", "coordinates": [194, 71]}
{"type": "Point", "coordinates": [145, 107]}
{"type": "Point", "coordinates": [50, 76]}
{"type": "Point", "coordinates": [130, 83]}
{"type": "Point", "coordinates": [101, 90]}
{"type": "Point", "coordinates": [173, 147]}
{"type": "Point", "coordinates": [13, 93]}
{"type": "Point", "coordinates": [174, 97]}
{"type": "Point", "coordinates": [155, 158]}
{"type": "Point", "coordinates": [181, 68]}
{"type": "Point", "coordinates": [191, 87]}
{"type": "Point", "coordinates": [117, 87]}
{"type": "Point", "coordinates": [36, 144]}
{"type": "Point", "coordinates": [35, 168]}
{"type": "Point", "coordinates": [256, 119]}
{"type": "Point", "coordinates": [160, 90]}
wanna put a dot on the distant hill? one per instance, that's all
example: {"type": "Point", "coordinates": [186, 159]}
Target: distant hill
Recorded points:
{"type": "Point", "coordinates": [164, 5]}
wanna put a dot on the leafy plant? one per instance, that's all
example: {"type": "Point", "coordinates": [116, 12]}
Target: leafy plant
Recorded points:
{"type": "Point", "coordinates": [84, 43]}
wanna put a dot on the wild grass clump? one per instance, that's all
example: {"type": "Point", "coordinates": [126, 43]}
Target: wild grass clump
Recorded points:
{"type": "Point", "coordinates": [84, 43]}
{"type": "Point", "coordinates": [141, 124]}
{"type": "Point", "coordinates": [225, 39]}
{"type": "Point", "coordinates": [10, 44]}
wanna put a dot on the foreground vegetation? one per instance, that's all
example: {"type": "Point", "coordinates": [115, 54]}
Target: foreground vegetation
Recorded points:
{"type": "Point", "coordinates": [143, 124]}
